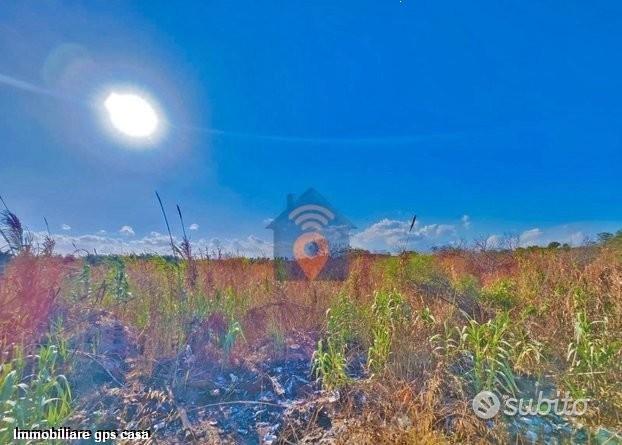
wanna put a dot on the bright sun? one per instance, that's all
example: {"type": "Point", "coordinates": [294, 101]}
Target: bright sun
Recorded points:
{"type": "Point", "coordinates": [132, 114]}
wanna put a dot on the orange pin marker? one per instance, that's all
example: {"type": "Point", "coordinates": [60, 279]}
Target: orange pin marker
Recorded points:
{"type": "Point", "coordinates": [311, 265]}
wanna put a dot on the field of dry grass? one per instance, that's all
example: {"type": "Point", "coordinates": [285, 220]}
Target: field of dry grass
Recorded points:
{"type": "Point", "coordinates": [218, 351]}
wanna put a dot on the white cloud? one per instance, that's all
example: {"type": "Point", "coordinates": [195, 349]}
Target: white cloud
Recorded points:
{"type": "Point", "coordinates": [251, 246]}
{"type": "Point", "coordinates": [565, 234]}
{"type": "Point", "coordinates": [155, 243]}
{"type": "Point", "coordinates": [494, 242]}
{"type": "Point", "coordinates": [394, 235]}
{"type": "Point", "coordinates": [385, 235]}
{"type": "Point", "coordinates": [389, 235]}
{"type": "Point", "coordinates": [66, 227]}
{"type": "Point", "coordinates": [101, 232]}
{"type": "Point", "coordinates": [194, 226]}
{"type": "Point", "coordinates": [531, 237]}
{"type": "Point", "coordinates": [577, 238]}
{"type": "Point", "coordinates": [127, 231]}
{"type": "Point", "coordinates": [67, 244]}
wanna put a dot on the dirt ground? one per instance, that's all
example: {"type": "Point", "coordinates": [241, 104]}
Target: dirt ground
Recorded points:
{"type": "Point", "coordinates": [257, 399]}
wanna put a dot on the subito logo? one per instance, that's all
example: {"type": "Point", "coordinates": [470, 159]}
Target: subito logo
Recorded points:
{"type": "Point", "coordinates": [486, 405]}
{"type": "Point", "coordinates": [311, 240]}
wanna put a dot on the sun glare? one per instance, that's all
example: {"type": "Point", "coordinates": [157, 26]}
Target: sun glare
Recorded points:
{"type": "Point", "coordinates": [131, 114]}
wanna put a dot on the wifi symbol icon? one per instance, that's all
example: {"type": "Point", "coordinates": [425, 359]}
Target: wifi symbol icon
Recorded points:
{"type": "Point", "coordinates": [311, 217]}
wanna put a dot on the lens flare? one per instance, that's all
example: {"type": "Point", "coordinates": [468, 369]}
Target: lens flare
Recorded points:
{"type": "Point", "coordinates": [132, 114]}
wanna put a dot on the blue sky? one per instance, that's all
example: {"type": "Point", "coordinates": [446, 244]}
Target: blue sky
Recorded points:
{"type": "Point", "coordinates": [509, 113]}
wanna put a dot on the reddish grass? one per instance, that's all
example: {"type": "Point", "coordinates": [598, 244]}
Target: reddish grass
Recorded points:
{"type": "Point", "coordinates": [28, 290]}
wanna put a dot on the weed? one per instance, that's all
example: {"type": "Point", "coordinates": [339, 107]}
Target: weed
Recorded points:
{"type": "Point", "coordinates": [502, 293]}
{"type": "Point", "coordinates": [388, 312]}
{"type": "Point", "coordinates": [329, 365]}
{"type": "Point", "coordinates": [82, 290]}
{"type": "Point", "coordinates": [118, 277]}
{"type": "Point", "coordinates": [590, 356]}
{"type": "Point", "coordinates": [38, 400]}
{"type": "Point", "coordinates": [234, 330]}
{"type": "Point", "coordinates": [277, 337]}
{"type": "Point", "coordinates": [550, 294]}
{"type": "Point", "coordinates": [426, 316]}
{"type": "Point", "coordinates": [421, 268]}
{"type": "Point", "coordinates": [329, 359]}
{"type": "Point", "coordinates": [342, 319]}
{"type": "Point", "coordinates": [491, 348]}
{"type": "Point", "coordinates": [468, 285]}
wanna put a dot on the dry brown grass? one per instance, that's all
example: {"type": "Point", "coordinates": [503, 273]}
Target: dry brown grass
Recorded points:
{"type": "Point", "coordinates": [419, 397]}
{"type": "Point", "coordinates": [28, 289]}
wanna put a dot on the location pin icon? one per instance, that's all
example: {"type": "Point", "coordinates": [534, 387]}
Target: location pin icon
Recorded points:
{"type": "Point", "coordinates": [311, 265]}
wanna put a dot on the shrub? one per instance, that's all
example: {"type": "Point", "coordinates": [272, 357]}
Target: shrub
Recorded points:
{"type": "Point", "coordinates": [502, 293]}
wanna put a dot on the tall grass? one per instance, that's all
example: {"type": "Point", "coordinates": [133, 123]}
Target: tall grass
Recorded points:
{"type": "Point", "coordinates": [388, 312]}
{"type": "Point", "coordinates": [28, 290]}
{"type": "Point", "coordinates": [329, 359]}
{"type": "Point", "coordinates": [592, 357]}
{"type": "Point", "coordinates": [492, 351]}
{"type": "Point", "coordinates": [33, 394]}
{"type": "Point", "coordinates": [329, 364]}
{"type": "Point", "coordinates": [549, 313]}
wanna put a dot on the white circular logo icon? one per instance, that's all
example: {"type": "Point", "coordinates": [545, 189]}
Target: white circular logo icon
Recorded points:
{"type": "Point", "coordinates": [486, 405]}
